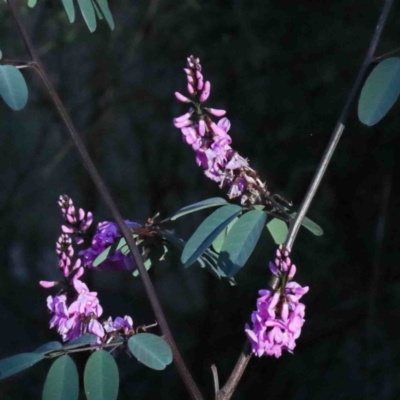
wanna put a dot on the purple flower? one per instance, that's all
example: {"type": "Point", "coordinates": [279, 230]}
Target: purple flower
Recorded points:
{"type": "Point", "coordinates": [277, 322]}
{"type": "Point", "coordinates": [123, 325]}
{"type": "Point", "coordinates": [222, 165]}
{"type": "Point", "coordinates": [106, 234]}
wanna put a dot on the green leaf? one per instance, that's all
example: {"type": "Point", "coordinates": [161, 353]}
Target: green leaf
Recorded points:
{"type": "Point", "coordinates": [99, 15]}
{"type": "Point", "coordinates": [278, 230]}
{"type": "Point", "coordinates": [213, 202]}
{"type": "Point", "coordinates": [219, 241]}
{"type": "Point", "coordinates": [32, 3]}
{"type": "Point", "coordinates": [207, 232]}
{"type": "Point", "coordinates": [12, 365]}
{"type": "Point", "coordinates": [1, 54]}
{"type": "Point", "coordinates": [241, 241]}
{"type": "Point", "coordinates": [48, 347]}
{"type": "Point", "coordinates": [88, 14]}
{"type": "Point", "coordinates": [62, 381]}
{"type": "Point", "coordinates": [13, 87]}
{"type": "Point", "coordinates": [310, 225]}
{"type": "Point", "coordinates": [150, 350]}
{"type": "Point", "coordinates": [105, 10]}
{"type": "Point", "coordinates": [83, 340]}
{"type": "Point", "coordinates": [380, 91]}
{"type": "Point", "coordinates": [101, 379]}
{"type": "Point", "coordinates": [69, 9]}
{"type": "Point", "coordinates": [108, 251]}
{"type": "Point", "coordinates": [147, 265]}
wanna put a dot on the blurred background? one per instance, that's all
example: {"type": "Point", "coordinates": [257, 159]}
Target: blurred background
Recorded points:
{"type": "Point", "coordinates": [282, 70]}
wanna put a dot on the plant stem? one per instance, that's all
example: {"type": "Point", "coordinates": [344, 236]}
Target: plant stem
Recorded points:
{"type": "Point", "coordinates": [228, 389]}
{"type": "Point", "coordinates": [106, 196]}
{"type": "Point", "coordinates": [339, 128]}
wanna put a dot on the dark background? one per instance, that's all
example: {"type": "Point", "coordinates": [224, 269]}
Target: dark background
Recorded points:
{"type": "Point", "coordinates": [282, 70]}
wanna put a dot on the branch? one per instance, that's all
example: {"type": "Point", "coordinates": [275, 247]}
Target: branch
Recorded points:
{"type": "Point", "coordinates": [227, 391]}
{"type": "Point", "coordinates": [106, 196]}
{"type": "Point", "coordinates": [339, 128]}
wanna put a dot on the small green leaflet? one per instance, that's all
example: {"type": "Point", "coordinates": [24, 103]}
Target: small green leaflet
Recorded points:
{"type": "Point", "coordinates": [213, 202]}
{"type": "Point", "coordinates": [32, 3]}
{"type": "Point", "coordinates": [88, 14]}
{"type": "Point", "coordinates": [219, 241]}
{"type": "Point", "coordinates": [62, 381]}
{"type": "Point", "coordinates": [278, 230]}
{"type": "Point", "coordinates": [310, 225]}
{"type": "Point", "coordinates": [11, 365]}
{"type": "Point", "coordinates": [81, 341]}
{"type": "Point", "coordinates": [150, 350]}
{"type": "Point", "coordinates": [69, 9]}
{"type": "Point", "coordinates": [207, 232]}
{"type": "Point", "coordinates": [13, 87]}
{"type": "Point", "coordinates": [101, 379]}
{"type": "Point", "coordinates": [105, 10]}
{"type": "Point", "coordinates": [241, 241]}
{"type": "Point", "coordinates": [380, 91]}
{"type": "Point", "coordinates": [49, 347]}
{"type": "Point", "coordinates": [108, 251]}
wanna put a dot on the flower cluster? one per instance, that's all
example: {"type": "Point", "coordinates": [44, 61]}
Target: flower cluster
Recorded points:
{"type": "Point", "coordinates": [76, 310]}
{"type": "Point", "coordinates": [279, 317]}
{"type": "Point", "coordinates": [106, 234]}
{"type": "Point", "coordinates": [212, 144]}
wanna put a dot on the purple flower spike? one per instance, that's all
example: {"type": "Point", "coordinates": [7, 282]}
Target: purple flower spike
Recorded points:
{"type": "Point", "coordinates": [277, 322]}
{"type": "Point", "coordinates": [211, 142]}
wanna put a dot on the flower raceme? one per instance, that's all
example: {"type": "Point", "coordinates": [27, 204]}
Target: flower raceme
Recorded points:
{"type": "Point", "coordinates": [212, 143]}
{"type": "Point", "coordinates": [76, 310]}
{"type": "Point", "coordinates": [277, 322]}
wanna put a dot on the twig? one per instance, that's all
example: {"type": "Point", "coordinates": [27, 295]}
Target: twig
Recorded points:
{"type": "Point", "coordinates": [227, 391]}
{"type": "Point", "coordinates": [215, 379]}
{"type": "Point", "coordinates": [339, 128]}
{"type": "Point", "coordinates": [106, 196]}
{"type": "Point", "coordinates": [386, 55]}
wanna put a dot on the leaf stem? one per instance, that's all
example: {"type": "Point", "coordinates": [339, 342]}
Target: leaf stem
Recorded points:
{"type": "Point", "coordinates": [228, 389]}
{"type": "Point", "coordinates": [106, 196]}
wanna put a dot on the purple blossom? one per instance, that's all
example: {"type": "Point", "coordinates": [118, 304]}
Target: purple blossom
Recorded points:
{"type": "Point", "coordinates": [222, 164]}
{"type": "Point", "coordinates": [106, 234]}
{"type": "Point", "coordinates": [277, 322]}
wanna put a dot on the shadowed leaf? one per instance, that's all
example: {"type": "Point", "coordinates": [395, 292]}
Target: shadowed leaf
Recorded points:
{"type": "Point", "coordinates": [62, 382]}
{"type": "Point", "coordinates": [213, 202]}
{"type": "Point", "coordinates": [207, 232]}
{"type": "Point", "coordinates": [380, 91]}
{"type": "Point", "coordinates": [150, 350]}
{"type": "Point", "coordinates": [11, 365]}
{"type": "Point", "coordinates": [13, 87]}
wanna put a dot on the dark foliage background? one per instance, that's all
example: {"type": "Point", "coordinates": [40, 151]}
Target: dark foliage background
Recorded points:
{"type": "Point", "coordinates": [282, 69]}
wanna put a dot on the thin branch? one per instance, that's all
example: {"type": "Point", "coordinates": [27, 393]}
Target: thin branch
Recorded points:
{"type": "Point", "coordinates": [386, 55]}
{"type": "Point", "coordinates": [106, 196]}
{"type": "Point", "coordinates": [227, 391]}
{"type": "Point", "coordinates": [215, 379]}
{"type": "Point", "coordinates": [339, 128]}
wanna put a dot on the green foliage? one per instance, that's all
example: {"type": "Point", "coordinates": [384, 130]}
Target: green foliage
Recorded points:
{"type": "Point", "coordinates": [207, 232]}
{"type": "Point", "coordinates": [88, 14]}
{"type": "Point", "coordinates": [201, 205]}
{"type": "Point", "coordinates": [91, 10]}
{"type": "Point", "coordinates": [48, 347]}
{"type": "Point", "coordinates": [105, 10]}
{"type": "Point", "coordinates": [13, 87]}
{"type": "Point", "coordinates": [310, 225]}
{"type": "Point", "coordinates": [83, 340]}
{"type": "Point", "coordinates": [69, 9]}
{"type": "Point", "coordinates": [32, 3]}
{"type": "Point", "coordinates": [101, 379]}
{"type": "Point", "coordinates": [241, 241]}
{"type": "Point", "coordinates": [11, 365]}
{"type": "Point", "coordinates": [219, 241]}
{"type": "Point", "coordinates": [380, 91]}
{"type": "Point", "coordinates": [62, 381]}
{"type": "Point", "coordinates": [278, 230]}
{"type": "Point", "coordinates": [150, 350]}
